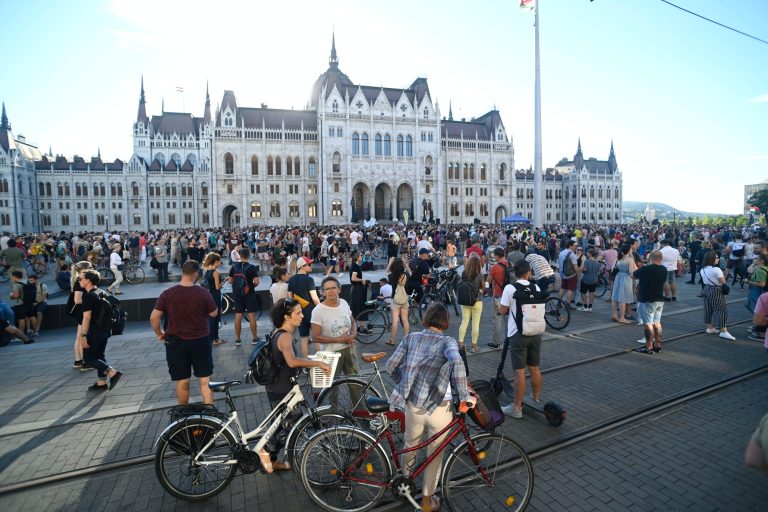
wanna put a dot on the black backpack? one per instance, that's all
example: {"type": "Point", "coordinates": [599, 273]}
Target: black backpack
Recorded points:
{"type": "Point", "coordinates": [28, 293]}
{"type": "Point", "coordinates": [466, 293]}
{"type": "Point", "coordinates": [109, 316]}
{"type": "Point", "coordinates": [240, 285]}
{"type": "Point", "coordinates": [509, 274]}
{"type": "Point", "coordinates": [261, 363]}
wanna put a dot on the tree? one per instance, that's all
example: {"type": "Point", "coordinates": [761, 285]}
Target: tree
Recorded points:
{"type": "Point", "coordinates": [759, 199]}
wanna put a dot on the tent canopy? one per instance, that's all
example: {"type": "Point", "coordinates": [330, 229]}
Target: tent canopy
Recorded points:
{"type": "Point", "coordinates": [515, 218]}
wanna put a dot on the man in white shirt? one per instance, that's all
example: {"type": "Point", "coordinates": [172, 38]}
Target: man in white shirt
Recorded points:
{"type": "Point", "coordinates": [669, 258]}
{"type": "Point", "coordinates": [354, 239]}
{"type": "Point", "coordinates": [525, 350]}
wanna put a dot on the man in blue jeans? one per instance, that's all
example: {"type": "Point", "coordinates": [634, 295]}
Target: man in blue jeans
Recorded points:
{"type": "Point", "coordinates": [650, 301]}
{"type": "Point", "coordinates": [94, 336]}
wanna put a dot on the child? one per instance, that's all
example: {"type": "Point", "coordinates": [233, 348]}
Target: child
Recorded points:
{"type": "Point", "coordinates": [589, 271]}
{"type": "Point", "coordinates": [385, 290]}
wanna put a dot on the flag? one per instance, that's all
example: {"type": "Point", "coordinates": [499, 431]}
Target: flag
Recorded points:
{"type": "Point", "coordinates": [528, 4]}
{"type": "Point", "coordinates": [179, 89]}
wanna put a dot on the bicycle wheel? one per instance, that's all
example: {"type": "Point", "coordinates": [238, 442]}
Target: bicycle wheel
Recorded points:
{"type": "Point", "coordinates": [347, 395]}
{"type": "Point", "coordinates": [226, 304]}
{"type": "Point", "coordinates": [306, 427]}
{"type": "Point", "coordinates": [333, 481]}
{"type": "Point", "coordinates": [376, 325]}
{"type": "Point", "coordinates": [377, 253]}
{"type": "Point", "coordinates": [602, 286]}
{"type": "Point", "coordinates": [495, 474]}
{"type": "Point", "coordinates": [180, 474]}
{"type": "Point", "coordinates": [134, 275]}
{"type": "Point", "coordinates": [451, 293]}
{"type": "Point", "coordinates": [426, 300]}
{"type": "Point", "coordinates": [556, 313]}
{"type": "Point", "coordinates": [105, 274]}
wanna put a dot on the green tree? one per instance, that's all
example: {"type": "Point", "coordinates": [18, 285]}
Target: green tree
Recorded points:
{"type": "Point", "coordinates": [759, 199]}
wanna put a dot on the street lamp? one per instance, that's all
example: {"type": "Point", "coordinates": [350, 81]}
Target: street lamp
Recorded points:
{"type": "Point", "coordinates": [352, 207]}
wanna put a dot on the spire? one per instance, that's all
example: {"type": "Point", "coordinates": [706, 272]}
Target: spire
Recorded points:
{"type": "Point", "coordinates": [612, 155]}
{"type": "Point", "coordinates": [612, 165]}
{"type": "Point", "coordinates": [4, 120]}
{"type": "Point", "coordinates": [207, 114]}
{"type": "Point", "coordinates": [578, 150]}
{"type": "Point", "coordinates": [141, 117]}
{"type": "Point", "coordinates": [450, 110]}
{"type": "Point", "coordinates": [98, 152]}
{"type": "Point", "coordinates": [578, 159]}
{"type": "Point", "coordinates": [50, 151]}
{"type": "Point", "coordinates": [333, 61]}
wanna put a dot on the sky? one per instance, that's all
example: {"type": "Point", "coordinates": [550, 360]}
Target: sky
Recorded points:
{"type": "Point", "coordinates": [684, 101]}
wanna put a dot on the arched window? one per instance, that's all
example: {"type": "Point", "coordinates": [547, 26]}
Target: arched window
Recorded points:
{"type": "Point", "coordinates": [387, 145]}
{"type": "Point", "coordinates": [592, 192]}
{"type": "Point", "coordinates": [399, 145]}
{"type": "Point", "coordinates": [293, 209]}
{"type": "Point", "coordinates": [583, 191]}
{"type": "Point", "coordinates": [409, 146]}
{"type": "Point", "coordinates": [173, 190]}
{"type": "Point", "coordinates": [483, 175]}
{"type": "Point", "coordinates": [336, 162]}
{"type": "Point", "coordinates": [204, 189]}
{"type": "Point", "coordinates": [254, 165]}
{"type": "Point", "coordinates": [85, 190]}
{"type": "Point", "coordinates": [502, 171]}
{"type": "Point", "coordinates": [312, 167]}
{"type": "Point", "coordinates": [336, 208]}
{"type": "Point", "coordinates": [426, 113]}
{"type": "Point", "coordinates": [41, 189]}
{"type": "Point", "coordinates": [278, 166]}
{"type": "Point", "coordinates": [48, 189]}
{"type": "Point", "coordinates": [229, 164]}
{"type": "Point", "coordinates": [270, 166]}
{"type": "Point", "coordinates": [608, 192]}
{"type": "Point", "coordinates": [296, 166]}
{"type": "Point", "coordinates": [428, 165]}
{"type": "Point", "coordinates": [365, 144]}
{"type": "Point", "coordinates": [274, 209]}
{"type": "Point", "coordinates": [377, 144]}
{"type": "Point", "coordinates": [78, 190]}
{"type": "Point", "coordinates": [355, 144]}
{"type": "Point", "coordinates": [66, 190]}
{"type": "Point", "coordinates": [312, 210]}
{"type": "Point", "coordinates": [335, 106]}
{"type": "Point", "coordinates": [160, 158]}
{"type": "Point", "coordinates": [289, 166]}
{"type": "Point", "coordinates": [465, 174]}
{"type": "Point", "coordinates": [134, 189]}
{"type": "Point", "coordinates": [472, 172]}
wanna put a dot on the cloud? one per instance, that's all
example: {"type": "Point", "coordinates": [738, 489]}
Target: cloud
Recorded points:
{"type": "Point", "coordinates": [755, 158]}
{"type": "Point", "coordinates": [763, 98]}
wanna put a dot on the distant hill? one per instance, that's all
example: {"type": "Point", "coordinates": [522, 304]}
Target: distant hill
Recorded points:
{"type": "Point", "coordinates": [634, 210]}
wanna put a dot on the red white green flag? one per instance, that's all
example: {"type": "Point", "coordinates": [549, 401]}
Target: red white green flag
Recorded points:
{"type": "Point", "coordinates": [528, 4]}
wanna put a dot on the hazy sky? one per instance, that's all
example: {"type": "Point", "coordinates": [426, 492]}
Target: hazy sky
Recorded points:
{"type": "Point", "coordinates": [685, 101]}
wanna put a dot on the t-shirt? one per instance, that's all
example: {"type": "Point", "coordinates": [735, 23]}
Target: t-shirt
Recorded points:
{"type": "Point", "coordinates": [508, 300]}
{"type": "Point", "coordinates": [278, 291]}
{"type": "Point", "coordinates": [475, 249]}
{"type": "Point", "coordinates": [14, 257]}
{"type": "Point", "coordinates": [187, 309]}
{"type": "Point", "coordinates": [539, 266]}
{"type": "Point", "coordinates": [42, 292]}
{"type": "Point", "coordinates": [669, 257]}
{"type": "Point", "coordinates": [301, 285]}
{"type": "Point", "coordinates": [251, 272]}
{"type": "Point", "coordinates": [610, 256]}
{"type": "Point", "coordinates": [386, 291]}
{"type": "Point", "coordinates": [561, 260]}
{"type": "Point", "coordinates": [591, 268]}
{"type": "Point", "coordinates": [91, 303]}
{"type": "Point", "coordinates": [18, 288]}
{"type": "Point", "coordinates": [335, 322]}
{"type": "Point", "coordinates": [419, 267]}
{"type": "Point", "coordinates": [711, 275]}
{"type": "Point", "coordinates": [650, 282]}
{"type": "Point", "coordinates": [761, 308]}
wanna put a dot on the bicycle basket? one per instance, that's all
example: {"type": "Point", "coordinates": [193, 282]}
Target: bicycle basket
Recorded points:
{"type": "Point", "coordinates": [487, 413]}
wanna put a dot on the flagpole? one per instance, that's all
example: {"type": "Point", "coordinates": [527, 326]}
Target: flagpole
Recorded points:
{"type": "Point", "coordinates": [537, 172]}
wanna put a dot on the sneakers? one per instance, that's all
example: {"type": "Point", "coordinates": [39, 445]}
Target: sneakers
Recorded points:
{"type": "Point", "coordinates": [96, 387]}
{"type": "Point", "coordinates": [238, 343]}
{"type": "Point", "coordinates": [254, 341]}
{"type": "Point", "coordinates": [115, 379]}
{"type": "Point", "coordinates": [218, 341]}
{"type": "Point", "coordinates": [582, 308]}
{"type": "Point", "coordinates": [493, 345]}
{"type": "Point", "coordinates": [711, 331]}
{"type": "Point", "coordinates": [756, 337]}
{"type": "Point", "coordinates": [645, 350]}
{"type": "Point", "coordinates": [77, 364]}
{"type": "Point", "coordinates": [727, 336]}
{"type": "Point", "coordinates": [641, 340]}
{"type": "Point", "coordinates": [86, 367]}
{"type": "Point", "coordinates": [511, 410]}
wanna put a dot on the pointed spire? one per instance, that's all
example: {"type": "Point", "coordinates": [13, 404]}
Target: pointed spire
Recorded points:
{"type": "Point", "coordinates": [612, 155]}
{"type": "Point", "coordinates": [578, 150]}
{"type": "Point", "coordinates": [207, 113]}
{"type": "Point", "coordinates": [450, 110]}
{"type": "Point", "coordinates": [578, 159]}
{"type": "Point", "coordinates": [50, 151]}
{"type": "Point", "coordinates": [98, 152]}
{"type": "Point", "coordinates": [141, 117]}
{"type": "Point", "coordinates": [333, 61]}
{"type": "Point", "coordinates": [4, 120]}
{"type": "Point", "coordinates": [612, 165]}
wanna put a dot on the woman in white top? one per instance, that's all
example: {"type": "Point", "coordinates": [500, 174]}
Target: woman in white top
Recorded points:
{"type": "Point", "coordinates": [715, 307]}
{"type": "Point", "coordinates": [279, 288]}
{"type": "Point", "coordinates": [114, 260]}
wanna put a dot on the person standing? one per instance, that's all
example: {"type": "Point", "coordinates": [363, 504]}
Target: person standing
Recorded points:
{"type": "Point", "coordinates": [693, 250]}
{"type": "Point", "coordinates": [187, 339]}
{"type": "Point", "coordinates": [115, 264]}
{"type": "Point", "coordinates": [670, 257]}
{"type": "Point", "coordinates": [398, 276]}
{"type": "Point", "coordinates": [95, 333]}
{"type": "Point", "coordinates": [473, 273]}
{"type": "Point", "coordinates": [334, 329]}
{"type": "Point", "coordinates": [301, 287]}
{"type": "Point", "coordinates": [41, 301]}
{"type": "Point", "coordinates": [244, 278]}
{"type": "Point", "coordinates": [359, 292]}
{"type": "Point", "coordinates": [525, 350]}
{"type": "Point", "coordinates": [715, 307]}
{"type": "Point", "coordinates": [14, 257]}
{"type": "Point", "coordinates": [569, 272]}
{"type": "Point", "coordinates": [622, 293]}
{"type": "Point", "coordinates": [161, 256]}
{"type": "Point", "coordinates": [497, 276]}
{"type": "Point", "coordinates": [213, 283]}
{"type": "Point", "coordinates": [425, 391]}
{"type": "Point", "coordinates": [651, 282]}
{"type": "Point", "coordinates": [23, 301]}
{"type": "Point", "coordinates": [589, 272]}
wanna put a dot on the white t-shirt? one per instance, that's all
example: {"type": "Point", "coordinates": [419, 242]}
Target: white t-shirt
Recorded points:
{"type": "Point", "coordinates": [735, 246]}
{"type": "Point", "coordinates": [354, 237]}
{"type": "Point", "coordinates": [425, 244]}
{"type": "Point", "coordinates": [669, 257]}
{"type": "Point", "coordinates": [386, 292]}
{"type": "Point", "coordinates": [335, 322]}
{"type": "Point", "coordinates": [278, 291]}
{"type": "Point", "coordinates": [508, 300]}
{"type": "Point", "coordinates": [115, 259]}
{"type": "Point", "coordinates": [711, 275]}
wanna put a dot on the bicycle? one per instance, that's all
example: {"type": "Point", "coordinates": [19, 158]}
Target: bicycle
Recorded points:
{"type": "Point", "coordinates": [133, 273]}
{"type": "Point", "coordinates": [197, 455]}
{"type": "Point", "coordinates": [439, 286]}
{"type": "Point", "coordinates": [344, 468]}
{"type": "Point", "coordinates": [228, 304]}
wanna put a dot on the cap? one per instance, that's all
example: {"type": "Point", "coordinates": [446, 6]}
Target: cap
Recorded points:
{"type": "Point", "coordinates": [304, 261]}
{"type": "Point", "coordinates": [423, 250]}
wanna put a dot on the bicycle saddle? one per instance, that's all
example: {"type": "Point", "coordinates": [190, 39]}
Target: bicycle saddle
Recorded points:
{"type": "Point", "coordinates": [376, 404]}
{"type": "Point", "coordinates": [223, 386]}
{"type": "Point", "coordinates": [370, 357]}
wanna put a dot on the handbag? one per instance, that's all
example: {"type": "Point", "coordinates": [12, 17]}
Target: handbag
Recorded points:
{"type": "Point", "coordinates": [725, 289]}
{"type": "Point", "coordinates": [400, 297]}
{"type": "Point", "coordinates": [121, 267]}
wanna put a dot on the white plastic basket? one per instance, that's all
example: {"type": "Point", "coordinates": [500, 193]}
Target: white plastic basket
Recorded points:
{"type": "Point", "coordinates": [318, 377]}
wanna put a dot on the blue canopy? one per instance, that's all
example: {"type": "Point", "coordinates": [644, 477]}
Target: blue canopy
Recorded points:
{"type": "Point", "coordinates": [515, 218]}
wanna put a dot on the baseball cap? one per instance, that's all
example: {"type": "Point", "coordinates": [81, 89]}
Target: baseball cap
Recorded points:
{"type": "Point", "coordinates": [423, 250]}
{"type": "Point", "coordinates": [304, 261]}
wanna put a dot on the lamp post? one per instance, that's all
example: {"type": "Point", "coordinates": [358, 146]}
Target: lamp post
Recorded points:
{"type": "Point", "coordinates": [352, 207]}
{"type": "Point", "coordinates": [424, 210]}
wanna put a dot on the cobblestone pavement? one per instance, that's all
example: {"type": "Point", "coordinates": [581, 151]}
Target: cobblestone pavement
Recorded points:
{"type": "Point", "coordinates": [687, 458]}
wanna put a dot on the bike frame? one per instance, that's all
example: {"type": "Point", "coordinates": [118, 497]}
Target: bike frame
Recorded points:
{"type": "Point", "coordinates": [266, 428]}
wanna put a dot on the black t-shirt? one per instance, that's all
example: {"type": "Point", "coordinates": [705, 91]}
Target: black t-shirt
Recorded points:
{"type": "Point", "coordinates": [650, 283]}
{"type": "Point", "coordinates": [77, 311]}
{"type": "Point", "coordinates": [251, 272]}
{"type": "Point", "coordinates": [355, 268]}
{"type": "Point", "coordinates": [419, 267]}
{"type": "Point", "coordinates": [91, 303]}
{"type": "Point", "coordinates": [301, 285]}
{"type": "Point", "coordinates": [283, 384]}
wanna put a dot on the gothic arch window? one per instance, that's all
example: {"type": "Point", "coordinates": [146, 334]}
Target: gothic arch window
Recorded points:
{"type": "Point", "coordinates": [377, 144]}
{"type": "Point", "coordinates": [426, 113]}
{"type": "Point", "coordinates": [229, 164]}
{"type": "Point", "coordinates": [274, 209]}
{"type": "Point", "coordinates": [78, 190]}
{"type": "Point", "coordinates": [312, 166]}
{"type": "Point", "coordinates": [617, 193]}
{"type": "Point", "coordinates": [278, 166]}
{"type": "Point", "coordinates": [409, 146]}
{"type": "Point", "coordinates": [336, 208]}
{"type": "Point", "coordinates": [254, 165]}
{"type": "Point", "coordinates": [428, 165]}
{"type": "Point", "coordinates": [312, 209]}
{"type": "Point", "coordinates": [173, 190]}
{"type": "Point", "coordinates": [204, 189]}
{"type": "Point", "coordinates": [296, 166]}
{"type": "Point", "coordinates": [293, 209]}
{"type": "Point", "coordinates": [600, 193]}
{"type": "Point", "coordinates": [66, 190]}
{"type": "Point", "coordinates": [364, 145]}
{"type": "Point", "coordinates": [387, 145]}
{"type": "Point", "coordinates": [270, 166]}
{"type": "Point", "coordinates": [85, 190]}
{"type": "Point", "coordinates": [48, 189]}
{"type": "Point", "coordinates": [289, 166]}
{"type": "Point", "coordinates": [134, 189]}
{"type": "Point", "coordinates": [466, 172]}
{"type": "Point", "coordinates": [483, 175]}
{"type": "Point", "coordinates": [400, 145]}
{"type": "Point", "coordinates": [336, 162]}
{"type": "Point", "coordinates": [472, 172]}
{"type": "Point", "coordinates": [335, 107]}
{"type": "Point", "coordinates": [592, 192]}
{"type": "Point", "coordinates": [355, 143]}
{"type": "Point", "coordinates": [255, 210]}
{"type": "Point", "coordinates": [583, 192]}
{"type": "Point", "coordinates": [608, 192]}
{"type": "Point", "coordinates": [502, 171]}
{"type": "Point", "coordinates": [41, 189]}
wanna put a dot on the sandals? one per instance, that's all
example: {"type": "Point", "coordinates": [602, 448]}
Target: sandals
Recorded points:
{"type": "Point", "coordinates": [391, 343]}
{"type": "Point", "coordinates": [474, 349]}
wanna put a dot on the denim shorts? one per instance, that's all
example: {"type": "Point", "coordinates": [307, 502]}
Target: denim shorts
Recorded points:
{"type": "Point", "coordinates": [650, 312]}
{"type": "Point", "coordinates": [670, 276]}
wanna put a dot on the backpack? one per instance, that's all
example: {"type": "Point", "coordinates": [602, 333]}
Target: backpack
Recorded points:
{"type": "Point", "coordinates": [261, 363]}
{"type": "Point", "coordinates": [738, 253]}
{"type": "Point", "coordinates": [486, 413]}
{"type": "Point", "coordinates": [509, 275]}
{"type": "Point", "coordinates": [240, 285]}
{"type": "Point", "coordinates": [207, 282]}
{"type": "Point", "coordinates": [568, 269]}
{"type": "Point", "coordinates": [110, 316]}
{"type": "Point", "coordinates": [28, 293]}
{"type": "Point", "coordinates": [530, 309]}
{"type": "Point", "coordinates": [466, 293]}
